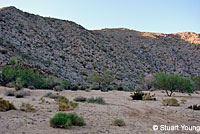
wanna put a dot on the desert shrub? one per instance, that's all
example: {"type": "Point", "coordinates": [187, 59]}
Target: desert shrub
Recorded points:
{"type": "Point", "coordinates": [138, 95]}
{"type": "Point", "coordinates": [6, 105]}
{"type": "Point", "coordinates": [65, 85]}
{"type": "Point", "coordinates": [30, 77]}
{"type": "Point", "coordinates": [102, 81]}
{"type": "Point", "coordinates": [170, 102]}
{"type": "Point", "coordinates": [58, 88]}
{"type": "Point", "coordinates": [27, 107]}
{"type": "Point", "coordinates": [74, 88]}
{"type": "Point", "coordinates": [21, 94]}
{"type": "Point", "coordinates": [148, 96]}
{"type": "Point", "coordinates": [31, 87]}
{"type": "Point", "coordinates": [98, 100]}
{"type": "Point", "coordinates": [18, 84]}
{"type": "Point", "coordinates": [196, 80]}
{"type": "Point", "coordinates": [63, 120]}
{"type": "Point", "coordinates": [11, 84]}
{"type": "Point", "coordinates": [80, 99]}
{"type": "Point", "coordinates": [173, 82]}
{"type": "Point", "coordinates": [64, 107]}
{"type": "Point", "coordinates": [65, 104]}
{"type": "Point", "coordinates": [119, 122]}
{"type": "Point", "coordinates": [194, 107]}
{"type": "Point", "coordinates": [51, 95]}
{"type": "Point", "coordinates": [11, 73]}
{"type": "Point", "coordinates": [183, 101]}
{"type": "Point", "coordinates": [10, 93]}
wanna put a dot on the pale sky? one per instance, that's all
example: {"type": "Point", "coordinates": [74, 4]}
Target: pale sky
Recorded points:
{"type": "Point", "coordinates": [165, 16]}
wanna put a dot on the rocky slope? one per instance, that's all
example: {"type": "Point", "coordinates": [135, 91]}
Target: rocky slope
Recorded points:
{"type": "Point", "coordinates": [73, 52]}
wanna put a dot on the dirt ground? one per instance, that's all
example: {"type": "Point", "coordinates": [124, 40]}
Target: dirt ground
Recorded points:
{"type": "Point", "coordinates": [139, 116]}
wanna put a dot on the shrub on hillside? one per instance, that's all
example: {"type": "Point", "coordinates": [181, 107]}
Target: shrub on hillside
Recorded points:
{"type": "Point", "coordinates": [170, 102]}
{"type": "Point", "coordinates": [103, 81]}
{"type": "Point", "coordinates": [6, 105]}
{"type": "Point", "coordinates": [173, 82]}
{"type": "Point", "coordinates": [18, 76]}
{"type": "Point", "coordinates": [63, 120]}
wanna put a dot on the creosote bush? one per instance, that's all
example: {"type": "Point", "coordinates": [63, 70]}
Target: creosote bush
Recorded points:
{"type": "Point", "coordinates": [173, 82]}
{"type": "Point", "coordinates": [63, 120]}
{"type": "Point", "coordinates": [6, 105]}
{"type": "Point", "coordinates": [170, 102]}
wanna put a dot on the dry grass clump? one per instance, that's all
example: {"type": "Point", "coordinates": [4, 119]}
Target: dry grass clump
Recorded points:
{"type": "Point", "coordinates": [6, 105]}
{"type": "Point", "coordinates": [170, 102]}
{"type": "Point", "coordinates": [65, 104]}
{"type": "Point", "coordinates": [27, 107]}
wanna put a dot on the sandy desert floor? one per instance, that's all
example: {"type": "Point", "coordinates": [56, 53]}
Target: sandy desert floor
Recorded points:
{"type": "Point", "coordinates": [139, 116]}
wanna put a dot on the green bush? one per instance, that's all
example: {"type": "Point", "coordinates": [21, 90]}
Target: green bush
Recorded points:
{"type": "Point", "coordinates": [28, 77]}
{"type": "Point", "coordinates": [98, 100]}
{"type": "Point", "coordinates": [6, 105]}
{"type": "Point", "coordinates": [173, 82]}
{"type": "Point", "coordinates": [63, 120]}
{"type": "Point", "coordinates": [21, 76]}
{"type": "Point", "coordinates": [103, 81]}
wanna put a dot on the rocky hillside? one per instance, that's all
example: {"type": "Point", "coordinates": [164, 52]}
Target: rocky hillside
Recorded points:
{"type": "Point", "coordinates": [73, 52]}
